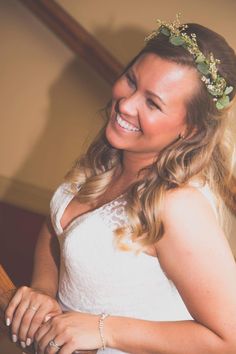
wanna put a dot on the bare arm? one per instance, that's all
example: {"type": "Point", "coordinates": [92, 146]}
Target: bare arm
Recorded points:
{"type": "Point", "coordinates": [46, 261]}
{"type": "Point", "coordinates": [196, 257]}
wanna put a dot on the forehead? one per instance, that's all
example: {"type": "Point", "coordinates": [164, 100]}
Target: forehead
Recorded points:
{"type": "Point", "coordinates": [171, 81]}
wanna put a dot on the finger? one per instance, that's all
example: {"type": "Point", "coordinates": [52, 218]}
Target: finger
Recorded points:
{"type": "Point", "coordinates": [50, 343]}
{"type": "Point", "coordinates": [51, 315]}
{"type": "Point", "coordinates": [37, 321]}
{"type": "Point", "coordinates": [42, 330]}
{"type": "Point", "coordinates": [25, 324]}
{"type": "Point", "coordinates": [12, 306]}
{"type": "Point", "coordinates": [54, 345]}
{"type": "Point", "coordinates": [16, 320]}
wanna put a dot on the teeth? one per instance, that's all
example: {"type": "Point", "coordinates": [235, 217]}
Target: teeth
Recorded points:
{"type": "Point", "coordinates": [126, 125]}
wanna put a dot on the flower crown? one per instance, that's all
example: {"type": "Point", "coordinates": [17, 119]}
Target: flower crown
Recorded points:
{"type": "Point", "coordinates": [216, 85]}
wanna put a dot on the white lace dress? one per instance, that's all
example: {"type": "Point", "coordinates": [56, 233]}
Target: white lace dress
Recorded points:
{"type": "Point", "coordinates": [96, 277]}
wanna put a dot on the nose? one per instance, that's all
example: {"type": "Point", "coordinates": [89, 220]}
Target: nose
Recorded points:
{"type": "Point", "coordinates": [128, 105]}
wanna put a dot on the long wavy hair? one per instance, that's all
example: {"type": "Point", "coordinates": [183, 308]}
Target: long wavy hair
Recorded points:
{"type": "Point", "coordinates": [205, 152]}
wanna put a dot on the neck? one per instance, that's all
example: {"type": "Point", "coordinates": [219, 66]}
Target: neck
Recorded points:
{"type": "Point", "coordinates": [132, 164]}
{"type": "Point", "coordinates": [129, 172]}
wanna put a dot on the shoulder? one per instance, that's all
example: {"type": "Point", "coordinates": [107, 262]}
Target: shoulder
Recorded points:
{"type": "Point", "coordinates": [190, 224]}
{"type": "Point", "coordinates": [61, 194]}
{"type": "Point", "coordinates": [191, 229]}
{"type": "Point", "coordinates": [189, 204]}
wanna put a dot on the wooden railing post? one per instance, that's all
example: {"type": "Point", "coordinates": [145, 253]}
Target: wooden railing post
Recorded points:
{"type": "Point", "coordinates": [76, 37]}
{"type": "Point", "coordinates": [7, 289]}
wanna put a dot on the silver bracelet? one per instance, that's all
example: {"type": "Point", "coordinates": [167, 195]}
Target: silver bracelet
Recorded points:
{"type": "Point", "coordinates": [101, 329]}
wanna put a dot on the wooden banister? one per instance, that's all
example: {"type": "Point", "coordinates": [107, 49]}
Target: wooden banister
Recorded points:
{"type": "Point", "coordinates": [5, 282]}
{"type": "Point", "coordinates": [7, 289]}
{"type": "Point", "coordinates": [76, 37]}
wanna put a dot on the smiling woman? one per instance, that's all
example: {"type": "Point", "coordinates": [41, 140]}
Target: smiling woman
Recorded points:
{"type": "Point", "coordinates": [149, 104]}
{"type": "Point", "coordinates": [134, 252]}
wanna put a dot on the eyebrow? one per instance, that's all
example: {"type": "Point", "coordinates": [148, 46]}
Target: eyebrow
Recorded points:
{"type": "Point", "coordinates": [148, 91]}
{"type": "Point", "coordinates": [155, 95]}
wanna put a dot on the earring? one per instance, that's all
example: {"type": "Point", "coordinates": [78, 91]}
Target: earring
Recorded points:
{"type": "Point", "coordinates": [180, 136]}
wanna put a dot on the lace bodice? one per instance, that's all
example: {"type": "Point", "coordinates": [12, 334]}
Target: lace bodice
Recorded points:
{"type": "Point", "coordinates": [96, 277]}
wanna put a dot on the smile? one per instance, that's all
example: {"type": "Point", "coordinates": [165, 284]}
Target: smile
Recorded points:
{"type": "Point", "coordinates": [125, 125]}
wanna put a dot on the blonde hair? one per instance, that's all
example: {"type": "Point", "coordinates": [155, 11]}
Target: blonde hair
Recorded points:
{"type": "Point", "coordinates": [206, 151]}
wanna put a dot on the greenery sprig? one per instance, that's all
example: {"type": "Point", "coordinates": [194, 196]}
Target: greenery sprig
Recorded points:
{"type": "Point", "coordinates": [207, 66]}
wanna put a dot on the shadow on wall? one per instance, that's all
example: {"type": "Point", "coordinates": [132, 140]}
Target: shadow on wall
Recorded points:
{"type": "Point", "coordinates": [123, 44]}
{"type": "Point", "coordinates": [66, 126]}
{"type": "Point", "coordinates": [68, 129]}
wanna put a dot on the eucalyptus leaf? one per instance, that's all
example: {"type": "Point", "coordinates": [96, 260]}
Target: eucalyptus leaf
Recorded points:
{"type": "Point", "coordinates": [200, 58]}
{"type": "Point", "coordinates": [176, 40]}
{"type": "Point", "coordinates": [165, 31]}
{"type": "Point", "coordinates": [228, 90]}
{"type": "Point", "coordinates": [224, 100]}
{"type": "Point", "coordinates": [219, 105]}
{"type": "Point", "coordinates": [203, 68]}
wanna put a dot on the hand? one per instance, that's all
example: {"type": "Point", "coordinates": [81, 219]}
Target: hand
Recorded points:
{"type": "Point", "coordinates": [85, 352]}
{"type": "Point", "coordinates": [70, 332]}
{"type": "Point", "coordinates": [26, 312]}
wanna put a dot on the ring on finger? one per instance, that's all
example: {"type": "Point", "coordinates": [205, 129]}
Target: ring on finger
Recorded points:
{"type": "Point", "coordinates": [53, 344]}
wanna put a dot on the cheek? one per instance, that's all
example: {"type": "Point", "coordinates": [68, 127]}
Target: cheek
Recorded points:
{"type": "Point", "coordinates": [162, 125]}
{"type": "Point", "coordinates": [155, 123]}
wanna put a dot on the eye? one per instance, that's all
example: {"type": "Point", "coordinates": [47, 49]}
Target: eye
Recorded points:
{"type": "Point", "coordinates": [152, 104]}
{"type": "Point", "coordinates": [130, 80]}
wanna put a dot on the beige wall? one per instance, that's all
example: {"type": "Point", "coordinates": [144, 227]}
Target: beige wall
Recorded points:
{"type": "Point", "coordinates": [49, 98]}
{"type": "Point", "coordinates": [121, 25]}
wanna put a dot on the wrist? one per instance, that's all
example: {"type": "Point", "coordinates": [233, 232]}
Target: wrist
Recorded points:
{"type": "Point", "coordinates": [109, 331]}
{"type": "Point", "coordinates": [101, 329]}
{"type": "Point", "coordinates": [44, 290]}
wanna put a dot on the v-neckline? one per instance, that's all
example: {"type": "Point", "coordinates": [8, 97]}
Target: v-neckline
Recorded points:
{"type": "Point", "coordinates": [78, 218]}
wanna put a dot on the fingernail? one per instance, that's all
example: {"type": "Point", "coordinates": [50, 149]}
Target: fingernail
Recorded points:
{"type": "Point", "coordinates": [14, 338]}
{"type": "Point", "coordinates": [28, 341]}
{"type": "Point", "coordinates": [47, 318]}
{"type": "Point", "coordinates": [23, 344]}
{"type": "Point", "coordinates": [8, 321]}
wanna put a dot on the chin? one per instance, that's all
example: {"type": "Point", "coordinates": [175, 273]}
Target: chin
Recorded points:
{"type": "Point", "coordinates": [112, 138]}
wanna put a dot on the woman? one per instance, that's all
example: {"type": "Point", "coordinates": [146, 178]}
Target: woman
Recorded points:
{"type": "Point", "coordinates": [144, 264]}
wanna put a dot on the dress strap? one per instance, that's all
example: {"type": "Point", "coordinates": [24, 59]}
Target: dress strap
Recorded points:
{"type": "Point", "coordinates": [60, 199]}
